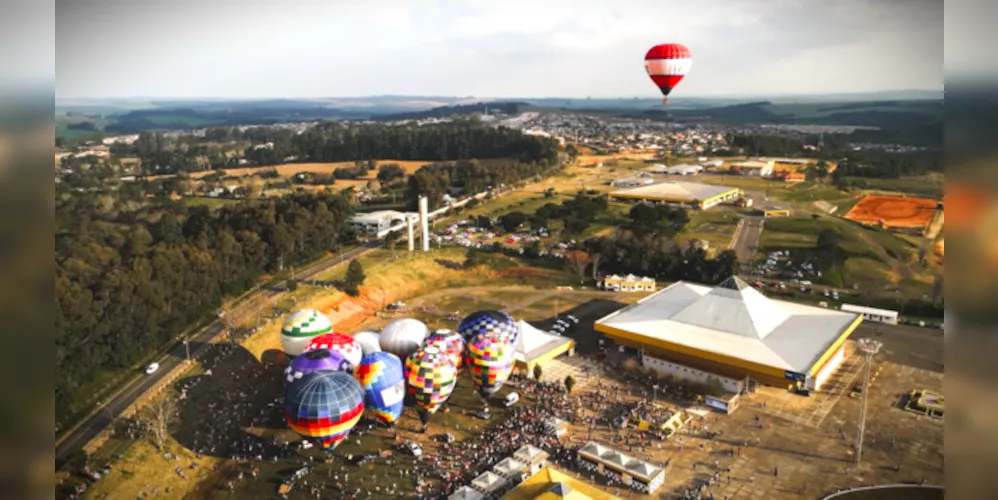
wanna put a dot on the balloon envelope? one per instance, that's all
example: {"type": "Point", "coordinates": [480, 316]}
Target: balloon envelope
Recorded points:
{"type": "Point", "coordinates": [450, 342]}
{"type": "Point", "coordinates": [323, 407]}
{"type": "Point", "coordinates": [403, 337]}
{"type": "Point", "coordinates": [316, 360]}
{"type": "Point", "coordinates": [489, 360]}
{"type": "Point", "coordinates": [667, 64]}
{"type": "Point", "coordinates": [369, 341]}
{"type": "Point", "coordinates": [343, 344]}
{"type": "Point", "coordinates": [382, 377]}
{"type": "Point", "coordinates": [431, 376]}
{"type": "Point", "coordinates": [301, 327]}
{"type": "Point", "coordinates": [497, 322]}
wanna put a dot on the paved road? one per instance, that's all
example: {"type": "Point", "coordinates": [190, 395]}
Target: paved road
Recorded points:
{"type": "Point", "coordinates": [97, 422]}
{"type": "Point", "coordinates": [748, 239]}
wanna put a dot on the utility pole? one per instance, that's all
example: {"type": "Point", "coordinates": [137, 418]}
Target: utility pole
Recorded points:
{"type": "Point", "coordinates": [187, 350]}
{"type": "Point", "coordinates": [869, 348]}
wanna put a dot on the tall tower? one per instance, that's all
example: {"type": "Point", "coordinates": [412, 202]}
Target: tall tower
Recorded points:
{"type": "Point", "coordinates": [408, 225]}
{"type": "Point", "coordinates": [868, 348]}
{"type": "Point", "coordinates": [424, 222]}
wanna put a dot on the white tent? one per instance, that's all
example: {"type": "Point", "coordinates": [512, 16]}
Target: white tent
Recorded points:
{"type": "Point", "coordinates": [533, 343]}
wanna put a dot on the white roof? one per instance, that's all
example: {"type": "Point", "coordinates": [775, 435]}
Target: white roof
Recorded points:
{"type": "Point", "coordinates": [621, 462]}
{"type": "Point", "coordinates": [466, 493]}
{"type": "Point", "coordinates": [530, 454]}
{"type": "Point", "coordinates": [675, 190]}
{"type": "Point", "coordinates": [869, 310]}
{"type": "Point", "coordinates": [488, 481]}
{"type": "Point", "coordinates": [751, 164]}
{"type": "Point", "coordinates": [378, 216]}
{"type": "Point", "coordinates": [510, 467]}
{"type": "Point", "coordinates": [735, 320]}
{"type": "Point", "coordinates": [532, 343]}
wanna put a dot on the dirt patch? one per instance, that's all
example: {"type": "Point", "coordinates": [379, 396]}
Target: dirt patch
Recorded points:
{"type": "Point", "coordinates": [894, 211]}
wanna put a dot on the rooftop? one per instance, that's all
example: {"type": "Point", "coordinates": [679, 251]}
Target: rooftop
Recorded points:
{"type": "Point", "coordinates": [621, 462]}
{"type": "Point", "coordinates": [735, 320]}
{"type": "Point", "coordinates": [550, 483]}
{"type": "Point", "coordinates": [533, 343]}
{"type": "Point", "coordinates": [674, 191]}
{"type": "Point", "coordinates": [378, 216]}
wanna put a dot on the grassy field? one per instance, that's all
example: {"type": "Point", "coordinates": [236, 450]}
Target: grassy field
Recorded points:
{"type": "Point", "coordinates": [930, 186]}
{"type": "Point", "coordinates": [716, 226]}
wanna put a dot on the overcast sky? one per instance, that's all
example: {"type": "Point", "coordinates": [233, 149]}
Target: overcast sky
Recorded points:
{"type": "Point", "coordinates": [490, 48]}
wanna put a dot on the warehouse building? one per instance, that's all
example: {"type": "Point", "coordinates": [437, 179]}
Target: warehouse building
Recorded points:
{"type": "Point", "coordinates": [687, 194]}
{"type": "Point", "coordinates": [733, 333]}
{"type": "Point", "coordinates": [377, 222]}
{"type": "Point", "coordinates": [753, 168]}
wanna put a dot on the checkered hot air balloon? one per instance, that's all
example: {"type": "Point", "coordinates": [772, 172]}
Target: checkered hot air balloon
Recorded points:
{"type": "Point", "coordinates": [450, 342]}
{"type": "Point", "coordinates": [383, 379]}
{"type": "Point", "coordinates": [498, 322]}
{"type": "Point", "coordinates": [369, 341]}
{"type": "Point", "coordinates": [431, 377]}
{"type": "Point", "coordinates": [316, 360]}
{"type": "Point", "coordinates": [301, 327]}
{"type": "Point", "coordinates": [324, 406]}
{"type": "Point", "coordinates": [343, 344]}
{"type": "Point", "coordinates": [489, 360]}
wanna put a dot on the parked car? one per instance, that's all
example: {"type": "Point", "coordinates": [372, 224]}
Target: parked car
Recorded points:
{"type": "Point", "coordinates": [511, 399]}
{"type": "Point", "coordinates": [414, 448]}
{"type": "Point", "coordinates": [152, 368]}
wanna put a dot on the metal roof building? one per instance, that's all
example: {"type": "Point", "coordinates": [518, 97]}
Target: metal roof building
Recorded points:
{"type": "Point", "coordinates": [692, 194]}
{"type": "Point", "coordinates": [734, 331]}
{"type": "Point", "coordinates": [534, 346]}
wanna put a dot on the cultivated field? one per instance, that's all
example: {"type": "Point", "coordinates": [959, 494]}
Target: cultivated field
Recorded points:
{"type": "Point", "coordinates": [894, 211]}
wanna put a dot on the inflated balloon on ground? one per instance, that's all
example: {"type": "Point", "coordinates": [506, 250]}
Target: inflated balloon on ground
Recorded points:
{"type": "Point", "coordinates": [450, 342]}
{"type": "Point", "coordinates": [316, 360]}
{"type": "Point", "coordinates": [369, 341]}
{"type": "Point", "coordinates": [343, 344]}
{"type": "Point", "coordinates": [431, 377]}
{"type": "Point", "coordinates": [324, 406]}
{"type": "Point", "coordinates": [497, 322]}
{"type": "Point", "coordinates": [403, 337]}
{"type": "Point", "coordinates": [301, 327]}
{"type": "Point", "coordinates": [382, 377]}
{"type": "Point", "coordinates": [489, 361]}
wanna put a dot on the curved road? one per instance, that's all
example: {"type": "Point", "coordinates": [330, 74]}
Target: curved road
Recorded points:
{"type": "Point", "coordinates": [100, 419]}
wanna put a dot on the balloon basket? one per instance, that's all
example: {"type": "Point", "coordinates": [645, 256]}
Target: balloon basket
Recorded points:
{"type": "Point", "coordinates": [665, 101]}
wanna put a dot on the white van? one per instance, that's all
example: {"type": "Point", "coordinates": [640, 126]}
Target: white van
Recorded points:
{"type": "Point", "coordinates": [511, 399]}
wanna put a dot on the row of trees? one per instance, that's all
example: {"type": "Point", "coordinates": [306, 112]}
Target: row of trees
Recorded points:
{"type": "Point", "coordinates": [659, 257]}
{"type": "Point", "coordinates": [470, 176]}
{"type": "Point", "coordinates": [126, 282]}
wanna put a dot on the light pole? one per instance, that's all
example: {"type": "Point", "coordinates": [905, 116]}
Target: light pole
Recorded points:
{"type": "Point", "coordinates": [869, 348]}
{"type": "Point", "coordinates": [187, 350]}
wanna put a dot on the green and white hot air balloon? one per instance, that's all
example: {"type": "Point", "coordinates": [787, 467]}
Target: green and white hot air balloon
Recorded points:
{"type": "Point", "coordinates": [301, 327]}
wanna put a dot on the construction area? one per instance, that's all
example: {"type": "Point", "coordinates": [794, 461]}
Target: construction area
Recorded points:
{"type": "Point", "coordinates": [895, 212]}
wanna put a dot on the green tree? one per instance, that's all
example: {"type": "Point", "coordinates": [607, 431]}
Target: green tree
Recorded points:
{"type": "Point", "coordinates": [538, 372]}
{"type": "Point", "coordinates": [511, 221]}
{"type": "Point", "coordinates": [354, 278]}
{"type": "Point", "coordinates": [569, 383]}
{"type": "Point", "coordinates": [292, 285]}
{"type": "Point", "coordinates": [474, 258]}
{"type": "Point", "coordinates": [714, 387]}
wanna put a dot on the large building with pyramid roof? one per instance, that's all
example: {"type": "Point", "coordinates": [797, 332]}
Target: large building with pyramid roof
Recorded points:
{"type": "Point", "coordinates": [734, 332]}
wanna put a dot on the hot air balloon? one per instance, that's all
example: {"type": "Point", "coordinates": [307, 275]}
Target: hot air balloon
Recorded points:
{"type": "Point", "coordinates": [489, 360]}
{"type": "Point", "coordinates": [316, 360]}
{"type": "Point", "coordinates": [369, 341]}
{"type": "Point", "coordinates": [301, 327]}
{"type": "Point", "coordinates": [431, 376]}
{"type": "Point", "coordinates": [324, 406]}
{"type": "Point", "coordinates": [498, 322]}
{"type": "Point", "coordinates": [403, 337]}
{"type": "Point", "coordinates": [450, 342]}
{"type": "Point", "coordinates": [383, 379]}
{"type": "Point", "coordinates": [667, 64]}
{"type": "Point", "coordinates": [343, 344]}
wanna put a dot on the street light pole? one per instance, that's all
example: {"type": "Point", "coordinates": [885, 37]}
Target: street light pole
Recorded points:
{"type": "Point", "coordinates": [869, 348]}
{"type": "Point", "coordinates": [187, 350]}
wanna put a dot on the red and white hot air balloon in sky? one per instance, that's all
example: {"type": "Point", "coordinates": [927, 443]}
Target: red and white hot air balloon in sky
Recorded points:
{"type": "Point", "coordinates": [667, 64]}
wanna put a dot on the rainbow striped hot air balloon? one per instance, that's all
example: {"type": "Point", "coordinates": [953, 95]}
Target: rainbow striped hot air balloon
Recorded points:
{"type": "Point", "coordinates": [450, 342]}
{"type": "Point", "coordinates": [343, 344]}
{"type": "Point", "coordinates": [383, 379]}
{"type": "Point", "coordinates": [497, 322]}
{"type": "Point", "coordinates": [489, 360]}
{"type": "Point", "coordinates": [431, 376]}
{"type": "Point", "coordinates": [324, 406]}
{"type": "Point", "coordinates": [316, 360]}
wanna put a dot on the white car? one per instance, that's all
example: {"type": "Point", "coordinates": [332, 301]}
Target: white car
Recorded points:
{"type": "Point", "coordinates": [152, 368]}
{"type": "Point", "coordinates": [414, 448]}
